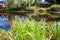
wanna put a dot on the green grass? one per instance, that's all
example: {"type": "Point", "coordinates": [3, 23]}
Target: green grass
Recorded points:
{"type": "Point", "coordinates": [29, 30]}
{"type": "Point", "coordinates": [55, 32]}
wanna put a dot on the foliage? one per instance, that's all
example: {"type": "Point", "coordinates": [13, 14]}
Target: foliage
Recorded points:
{"type": "Point", "coordinates": [16, 9]}
{"type": "Point", "coordinates": [30, 30]}
{"type": "Point", "coordinates": [35, 31]}
{"type": "Point", "coordinates": [55, 8]}
{"type": "Point", "coordinates": [54, 30]}
{"type": "Point", "coordinates": [52, 1]}
{"type": "Point", "coordinates": [9, 3]}
{"type": "Point", "coordinates": [3, 10]}
{"type": "Point", "coordinates": [4, 35]}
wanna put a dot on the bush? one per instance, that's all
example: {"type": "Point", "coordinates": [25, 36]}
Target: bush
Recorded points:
{"type": "Point", "coordinates": [3, 10]}
{"type": "Point", "coordinates": [16, 9]}
{"type": "Point", "coordinates": [55, 8]}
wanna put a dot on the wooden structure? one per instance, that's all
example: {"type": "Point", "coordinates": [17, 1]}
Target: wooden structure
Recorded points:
{"type": "Point", "coordinates": [44, 4]}
{"type": "Point", "coordinates": [2, 6]}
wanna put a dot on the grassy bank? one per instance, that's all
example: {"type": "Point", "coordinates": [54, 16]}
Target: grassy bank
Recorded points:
{"type": "Point", "coordinates": [30, 30]}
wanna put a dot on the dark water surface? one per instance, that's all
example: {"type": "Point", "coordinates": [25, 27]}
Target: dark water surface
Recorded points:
{"type": "Point", "coordinates": [30, 16]}
{"type": "Point", "coordinates": [27, 16]}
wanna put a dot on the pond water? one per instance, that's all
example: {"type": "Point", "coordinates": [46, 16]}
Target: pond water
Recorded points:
{"type": "Point", "coordinates": [31, 16]}
{"type": "Point", "coordinates": [26, 16]}
{"type": "Point", "coordinates": [22, 17]}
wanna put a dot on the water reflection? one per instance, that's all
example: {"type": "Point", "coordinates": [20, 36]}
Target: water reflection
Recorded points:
{"type": "Point", "coordinates": [17, 17]}
{"type": "Point", "coordinates": [56, 24]}
{"type": "Point", "coordinates": [5, 20]}
{"type": "Point", "coordinates": [44, 2]}
{"type": "Point", "coordinates": [21, 18]}
{"type": "Point", "coordinates": [4, 24]}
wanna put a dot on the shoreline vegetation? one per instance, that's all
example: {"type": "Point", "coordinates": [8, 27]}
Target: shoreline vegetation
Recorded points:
{"type": "Point", "coordinates": [30, 30]}
{"type": "Point", "coordinates": [31, 20]}
{"type": "Point", "coordinates": [52, 8]}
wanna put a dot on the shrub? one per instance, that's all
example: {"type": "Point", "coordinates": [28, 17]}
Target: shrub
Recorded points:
{"type": "Point", "coordinates": [16, 9]}
{"type": "Point", "coordinates": [55, 31]}
{"type": "Point", "coordinates": [3, 10]}
{"type": "Point", "coordinates": [55, 8]}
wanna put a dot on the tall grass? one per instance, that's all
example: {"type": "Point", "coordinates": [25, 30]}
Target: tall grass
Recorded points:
{"type": "Point", "coordinates": [55, 32]}
{"type": "Point", "coordinates": [30, 30]}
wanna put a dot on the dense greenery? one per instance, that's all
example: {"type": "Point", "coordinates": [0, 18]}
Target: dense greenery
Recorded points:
{"type": "Point", "coordinates": [55, 8]}
{"type": "Point", "coordinates": [52, 1]}
{"type": "Point", "coordinates": [55, 32]}
{"type": "Point", "coordinates": [30, 30]}
{"type": "Point", "coordinates": [9, 3]}
{"type": "Point", "coordinates": [16, 9]}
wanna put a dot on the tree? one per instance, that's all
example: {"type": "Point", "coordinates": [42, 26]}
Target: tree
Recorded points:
{"type": "Point", "coordinates": [9, 3]}
{"type": "Point", "coordinates": [58, 1]}
{"type": "Point", "coordinates": [19, 3]}
{"type": "Point", "coordinates": [52, 1]}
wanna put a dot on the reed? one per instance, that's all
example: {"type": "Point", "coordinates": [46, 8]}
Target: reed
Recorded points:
{"type": "Point", "coordinates": [30, 30]}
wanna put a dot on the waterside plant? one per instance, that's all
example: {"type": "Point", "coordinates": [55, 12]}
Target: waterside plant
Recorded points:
{"type": "Point", "coordinates": [31, 30]}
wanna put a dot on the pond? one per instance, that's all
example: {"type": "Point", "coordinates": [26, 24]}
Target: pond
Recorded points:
{"type": "Point", "coordinates": [32, 16]}
{"type": "Point", "coordinates": [24, 17]}
{"type": "Point", "coordinates": [7, 18]}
